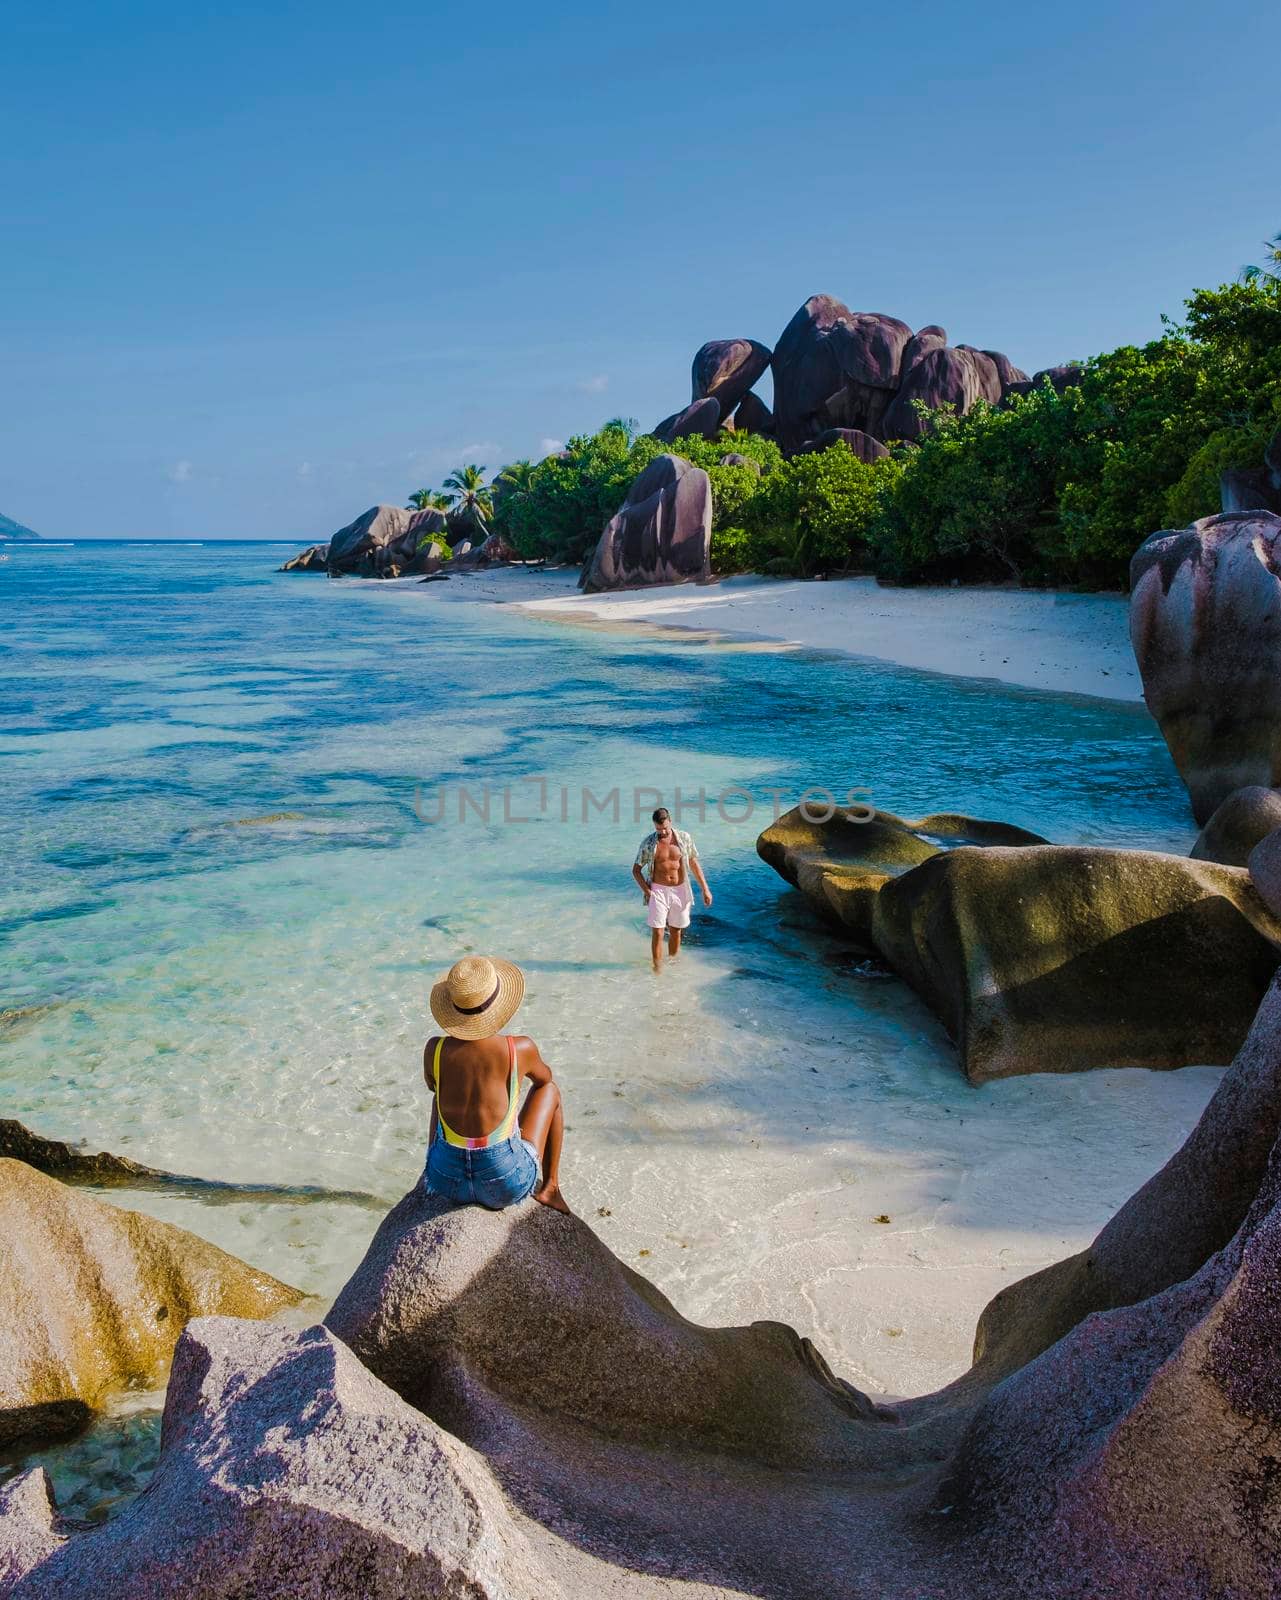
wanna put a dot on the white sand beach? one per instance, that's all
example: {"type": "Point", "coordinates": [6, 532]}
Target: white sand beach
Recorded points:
{"type": "Point", "coordinates": [1038, 639]}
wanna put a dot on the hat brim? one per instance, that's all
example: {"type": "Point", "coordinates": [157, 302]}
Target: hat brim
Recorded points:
{"type": "Point", "coordinates": [496, 1015]}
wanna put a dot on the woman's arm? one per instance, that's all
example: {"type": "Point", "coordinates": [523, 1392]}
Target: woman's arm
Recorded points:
{"type": "Point", "coordinates": [530, 1063]}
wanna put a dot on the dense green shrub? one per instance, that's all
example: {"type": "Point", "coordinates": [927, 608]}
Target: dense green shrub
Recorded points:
{"type": "Point", "coordinates": [1063, 488]}
{"type": "Point", "coordinates": [815, 512]}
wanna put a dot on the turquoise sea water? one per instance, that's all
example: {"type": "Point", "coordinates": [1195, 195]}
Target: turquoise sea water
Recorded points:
{"type": "Point", "coordinates": [221, 911]}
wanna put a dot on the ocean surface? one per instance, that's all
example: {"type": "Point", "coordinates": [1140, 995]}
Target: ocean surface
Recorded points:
{"type": "Point", "coordinates": [226, 894]}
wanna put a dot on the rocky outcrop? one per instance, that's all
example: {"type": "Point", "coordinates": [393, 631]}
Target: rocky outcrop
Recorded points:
{"type": "Point", "coordinates": [754, 416]}
{"type": "Point", "coordinates": [835, 368]}
{"type": "Point", "coordinates": [841, 864]}
{"type": "Point", "coordinates": [562, 1430]}
{"type": "Point", "coordinates": [1205, 623]}
{"type": "Point", "coordinates": [862, 444]}
{"type": "Point", "coordinates": [701, 420]}
{"type": "Point", "coordinates": [286, 1470]}
{"type": "Point", "coordinates": [922, 343]}
{"type": "Point", "coordinates": [956, 377]}
{"type": "Point", "coordinates": [1011, 379]}
{"type": "Point", "coordinates": [662, 532]}
{"type": "Point", "coordinates": [725, 370]}
{"type": "Point", "coordinates": [1254, 488]}
{"type": "Point", "coordinates": [1245, 817]}
{"type": "Point", "coordinates": [92, 1299]}
{"type": "Point", "coordinates": [385, 542]}
{"type": "Point", "coordinates": [1043, 958]}
{"type": "Point", "coordinates": [313, 559]}
{"type": "Point", "coordinates": [462, 1313]}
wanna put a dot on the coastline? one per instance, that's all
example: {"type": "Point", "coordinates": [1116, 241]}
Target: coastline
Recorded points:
{"type": "Point", "coordinates": [1058, 642]}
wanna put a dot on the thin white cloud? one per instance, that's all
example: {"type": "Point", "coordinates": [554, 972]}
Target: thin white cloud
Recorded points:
{"type": "Point", "coordinates": [550, 447]}
{"type": "Point", "coordinates": [484, 451]}
{"type": "Point", "coordinates": [180, 472]}
{"type": "Point", "coordinates": [595, 385]}
{"type": "Point", "coordinates": [305, 469]}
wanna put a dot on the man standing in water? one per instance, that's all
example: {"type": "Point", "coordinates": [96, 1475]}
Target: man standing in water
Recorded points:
{"type": "Point", "coordinates": [668, 856]}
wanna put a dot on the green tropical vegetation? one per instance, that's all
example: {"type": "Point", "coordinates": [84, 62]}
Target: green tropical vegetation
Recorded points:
{"type": "Point", "coordinates": [1049, 488]}
{"type": "Point", "coordinates": [429, 500]}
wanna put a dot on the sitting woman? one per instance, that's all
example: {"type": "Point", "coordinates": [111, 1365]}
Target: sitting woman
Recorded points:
{"type": "Point", "coordinates": [479, 1152]}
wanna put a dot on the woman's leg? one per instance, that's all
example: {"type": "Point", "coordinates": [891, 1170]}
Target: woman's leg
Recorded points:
{"type": "Point", "coordinates": [542, 1122]}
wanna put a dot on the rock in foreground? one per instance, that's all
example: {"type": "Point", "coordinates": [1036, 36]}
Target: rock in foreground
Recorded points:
{"type": "Point", "coordinates": [92, 1299]}
{"type": "Point", "coordinates": [286, 1471]}
{"type": "Point", "coordinates": [1205, 622]}
{"type": "Point", "coordinates": [662, 532]}
{"type": "Point", "coordinates": [1044, 958]}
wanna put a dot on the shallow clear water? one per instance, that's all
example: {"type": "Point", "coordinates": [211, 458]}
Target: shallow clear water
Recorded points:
{"type": "Point", "coordinates": [221, 912]}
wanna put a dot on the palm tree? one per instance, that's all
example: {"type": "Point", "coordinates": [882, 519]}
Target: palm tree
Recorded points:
{"type": "Point", "coordinates": [469, 498]}
{"type": "Point", "coordinates": [518, 478]}
{"type": "Point", "coordinates": [624, 425]}
{"type": "Point", "coordinates": [426, 500]}
{"type": "Point", "coordinates": [1271, 271]}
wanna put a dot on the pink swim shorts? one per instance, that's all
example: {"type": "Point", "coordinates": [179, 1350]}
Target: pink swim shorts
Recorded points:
{"type": "Point", "coordinates": [669, 905]}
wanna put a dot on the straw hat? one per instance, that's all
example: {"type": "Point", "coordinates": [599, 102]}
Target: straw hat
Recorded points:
{"type": "Point", "coordinates": [477, 997]}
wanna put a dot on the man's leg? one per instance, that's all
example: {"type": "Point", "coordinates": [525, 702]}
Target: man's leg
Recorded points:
{"type": "Point", "coordinates": [542, 1122]}
{"type": "Point", "coordinates": [673, 941]}
{"type": "Point", "coordinates": [656, 947]}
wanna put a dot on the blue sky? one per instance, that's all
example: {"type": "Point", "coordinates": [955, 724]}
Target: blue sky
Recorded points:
{"type": "Point", "coordinates": [262, 266]}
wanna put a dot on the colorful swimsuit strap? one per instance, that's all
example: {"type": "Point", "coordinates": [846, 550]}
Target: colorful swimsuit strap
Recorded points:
{"type": "Point", "coordinates": [504, 1128]}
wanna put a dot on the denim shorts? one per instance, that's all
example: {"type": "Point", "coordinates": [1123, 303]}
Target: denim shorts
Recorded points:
{"type": "Point", "coordinates": [498, 1176]}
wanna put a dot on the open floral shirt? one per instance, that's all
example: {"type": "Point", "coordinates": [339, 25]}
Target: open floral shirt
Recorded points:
{"type": "Point", "coordinates": [645, 855]}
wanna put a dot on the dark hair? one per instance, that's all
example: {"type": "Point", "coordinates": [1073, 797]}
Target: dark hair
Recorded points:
{"type": "Point", "coordinates": [660, 814]}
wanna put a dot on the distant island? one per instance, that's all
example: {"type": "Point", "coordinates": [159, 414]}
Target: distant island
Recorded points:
{"type": "Point", "coordinates": [9, 529]}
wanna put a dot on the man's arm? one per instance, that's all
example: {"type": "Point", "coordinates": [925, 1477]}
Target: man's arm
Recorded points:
{"type": "Point", "coordinates": [696, 869]}
{"type": "Point", "coordinates": [642, 881]}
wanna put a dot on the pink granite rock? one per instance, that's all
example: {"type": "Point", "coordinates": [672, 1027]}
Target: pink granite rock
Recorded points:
{"type": "Point", "coordinates": [662, 533]}
{"type": "Point", "coordinates": [725, 369]}
{"type": "Point", "coordinates": [1205, 623]}
{"type": "Point", "coordinates": [286, 1471]}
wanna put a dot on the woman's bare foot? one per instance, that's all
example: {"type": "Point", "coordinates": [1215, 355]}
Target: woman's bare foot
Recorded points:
{"type": "Point", "coordinates": [550, 1195]}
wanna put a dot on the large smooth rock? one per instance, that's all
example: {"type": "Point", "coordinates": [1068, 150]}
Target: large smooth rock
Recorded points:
{"type": "Point", "coordinates": [1205, 623]}
{"type": "Point", "coordinates": [922, 343]}
{"type": "Point", "coordinates": [314, 559]}
{"type": "Point", "coordinates": [725, 369]}
{"type": "Point", "coordinates": [464, 1311]}
{"type": "Point", "coordinates": [1138, 1456]}
{"type": "Point", "coordinates": [382, 539]}
{"type": "Point", "coordinates": [842, 864]}
{"type": "Point", "coordinates": [661, 534]}
{"type": "Point", "coordinates": [92, 1299]}
{"type": "Point", "coordinates": [286, 1471]}
{"type": "Point", "coordinates": [957, 377]}
{"type": "Point", "coordinates": [700, 420]}
{"type": "Point", "coordinates": [1043, 958]}
{"type": "Point", "coordinates": [1063, 958]}
{"type": "Point", "coordinates": [1245, 817]}
{"type": "Point", "coordinates": [834, 367]}
{"type": "Point", "coordinates": [1008, 375]}
{"type": "Point", "coordinates": [754, 416]}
